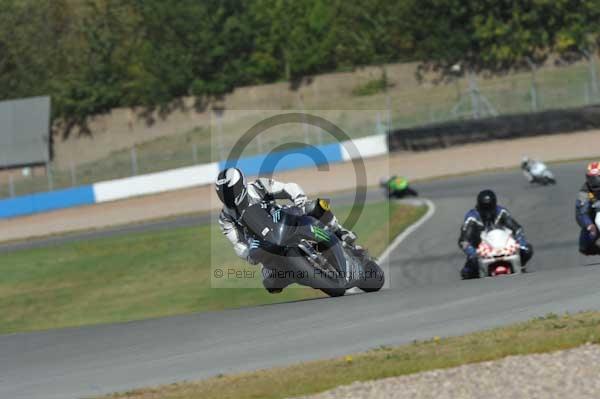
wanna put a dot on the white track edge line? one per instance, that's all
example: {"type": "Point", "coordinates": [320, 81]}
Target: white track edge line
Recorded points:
{"type": "Point", "coordinates": [409, 230]}
{"type": "Point", "coordinates": [400, 238]}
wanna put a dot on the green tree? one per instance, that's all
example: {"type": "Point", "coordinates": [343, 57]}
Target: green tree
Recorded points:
{"type": "Point", "coordinates": [498, 35]}
{"type": "Point", "coordinates": [293, 38]}
{"type": "Point", "coordinates": [383, 36]}
{"type": "Point", "coordinates": [95, 85]}
{"type": "Point", "coordinates": [33, 42]}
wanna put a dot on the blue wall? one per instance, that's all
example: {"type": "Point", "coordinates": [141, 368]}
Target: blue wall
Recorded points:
{"type": "Point", "coordinates": [43, 202]}
{"type": "Point", "coordinates": [286, 160]}
{"type": "Point", "coordinates": [301, 157]}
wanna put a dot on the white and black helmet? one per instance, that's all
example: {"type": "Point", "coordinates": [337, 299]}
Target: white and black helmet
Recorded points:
{"type": "Point", "coordinates": [232, 188]}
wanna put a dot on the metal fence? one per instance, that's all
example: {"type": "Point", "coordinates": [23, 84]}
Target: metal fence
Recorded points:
{"type": "Point", "coordinates": [463, 98]}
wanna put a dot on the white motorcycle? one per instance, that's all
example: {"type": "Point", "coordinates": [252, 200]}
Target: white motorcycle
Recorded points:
{"type": "Point", "coordinates": [539, 173]}
{"type": "Point", "coordinates": [596, 207]}
{"type": "Point", "coordinates": [498, 253]}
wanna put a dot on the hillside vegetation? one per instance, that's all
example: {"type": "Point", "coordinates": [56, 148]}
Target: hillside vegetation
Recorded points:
{"type": "Point", "coordinates": [94, 55]}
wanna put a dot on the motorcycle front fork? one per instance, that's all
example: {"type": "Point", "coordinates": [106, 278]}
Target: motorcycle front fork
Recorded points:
{"type": "Point", "coordinates": [315, 258]}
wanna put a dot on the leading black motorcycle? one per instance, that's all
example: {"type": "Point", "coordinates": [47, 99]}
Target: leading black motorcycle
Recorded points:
{"type": "Point", "coordinates": [297, 247]}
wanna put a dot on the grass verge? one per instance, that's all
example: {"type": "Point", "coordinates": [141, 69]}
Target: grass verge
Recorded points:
{"type": "Point", "coordinates": [146, 275]}
{"type": "Point", "coordinates": [536, 336]}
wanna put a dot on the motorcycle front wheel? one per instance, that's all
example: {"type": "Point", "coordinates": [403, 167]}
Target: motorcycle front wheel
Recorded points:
{"type": "Point", "coordinates": [373, 279]}
{"type": "Point", "coordinates": [412, 192]}
{"type": "Point", "coordinates": [307, 275]}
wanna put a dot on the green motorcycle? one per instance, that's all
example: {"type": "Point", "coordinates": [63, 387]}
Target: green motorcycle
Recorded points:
{"type": "Point", "coordinates": [397, 187]}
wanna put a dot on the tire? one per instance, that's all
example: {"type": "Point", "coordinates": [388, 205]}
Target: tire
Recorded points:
{"type": "Point", "coordinates": [546, 181]}
{"type": "Point", "coordinates": [374, 277]}
{"type": "Point", "coordinates": [334, 292]}
{"type": "Point", "coordinates": [308, 276]}
{"type": "Point", "coordinates": [412, 192]}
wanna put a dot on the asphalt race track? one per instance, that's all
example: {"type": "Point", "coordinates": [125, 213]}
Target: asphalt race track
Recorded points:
{"type": "Point", "coordinates": [427, 299]}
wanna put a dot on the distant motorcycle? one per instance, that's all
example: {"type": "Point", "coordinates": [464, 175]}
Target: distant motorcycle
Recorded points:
{"type": "Point", "coordinates": [538, 173]}
{"type": "Point", "coordinates": [498, 253]}
{"type": "Point", "coordinates": [397, 187]}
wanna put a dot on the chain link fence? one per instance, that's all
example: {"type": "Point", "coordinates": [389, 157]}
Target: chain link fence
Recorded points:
{"type": "Point", "coordinates": [464, 97]}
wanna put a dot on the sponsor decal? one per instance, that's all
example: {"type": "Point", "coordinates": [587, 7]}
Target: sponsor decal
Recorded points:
{"type": "Point", "coordinates": [320, 234]}
{"type": "Point", "coordinates": [277, 216]}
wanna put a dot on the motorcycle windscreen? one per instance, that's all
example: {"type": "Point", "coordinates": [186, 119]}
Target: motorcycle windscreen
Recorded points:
{"type": "Point", "coordinates": [293, 227]}
{"type": "Point", "coordinates": [259, 222]}
{"type": "Point", "coordinates": [278, 227]}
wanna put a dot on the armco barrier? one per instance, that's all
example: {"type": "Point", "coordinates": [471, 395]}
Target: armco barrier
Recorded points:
{"type": "Point", "coordinates": [153, 183]}
{"type": "Point", "coordinates": [192, 176]}
{"type": "Point", "coordinates": [280, 161]}
{"type": "Point", "coordinates": [501, 127]}
{"type": "Point", "coordinates": [43, 202]}
{"type": "Point", "coordinates": [367, 147]}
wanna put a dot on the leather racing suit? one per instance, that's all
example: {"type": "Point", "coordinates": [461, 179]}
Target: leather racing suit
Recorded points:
{"type": "Point", "coordinates": [585, 214]}
{"type": "Point", "coordinates": [470, 238]}
{"type": "Point", "coordinates": [264, 189]}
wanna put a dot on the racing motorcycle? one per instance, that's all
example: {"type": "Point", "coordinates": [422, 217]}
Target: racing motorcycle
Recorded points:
{"type": "Point", "coordinates": [498, 253]}
{"type": "Point", "coordinates": [397, 187]}
{"type": "Point", "coordinates": [307, 252]}
{"type": "Point", "coordinates": [540, 174]}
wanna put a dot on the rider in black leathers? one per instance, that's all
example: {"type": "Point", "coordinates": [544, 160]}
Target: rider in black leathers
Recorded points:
{"type": "Point", "coordinates": [237, 194]}
{"type": "Point", "coordinates": [585, 212]}
{"type": "Point", "coordinates": [488, 213]}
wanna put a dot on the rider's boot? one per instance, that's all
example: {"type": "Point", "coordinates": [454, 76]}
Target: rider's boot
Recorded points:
{"type": "Point", "coordinates": [345, 235]}
{"type": "Point", "coordinates": [272, 283]}
{"type": "Point", "coordinates": [588, 244]}
{"type": "Point", "coordinates": [470, 270]}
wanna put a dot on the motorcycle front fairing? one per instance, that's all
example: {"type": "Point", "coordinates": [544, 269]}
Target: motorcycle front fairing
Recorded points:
{"type": "Point", "coordinates": [295, 227]}
{"type": "Point", "coordinates": [498, 239]}
{"type": "Point", "coordinates": [540, 171]}
{"type": "Point", "coordinates": [280, 228]}
{"type": "Point", "coordinates": [257, 220]}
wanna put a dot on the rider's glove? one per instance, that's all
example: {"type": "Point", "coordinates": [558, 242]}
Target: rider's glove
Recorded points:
{"type": "Point", "coordinates": [522, 242]}
{"type": "Point", "coordinates": [254, 247]}
{"type": "Point", "coordinates": [471, 252]}
{"type": "Point", "coordinates": [593, 230]}
{"type": "Point", "coordinates": [300, 200]}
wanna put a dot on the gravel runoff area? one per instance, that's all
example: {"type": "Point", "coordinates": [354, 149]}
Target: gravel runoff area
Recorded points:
{"type": "Point", "coordinates": [413, 165]}
{"type": "Point", "coordinates": [573, 374]}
